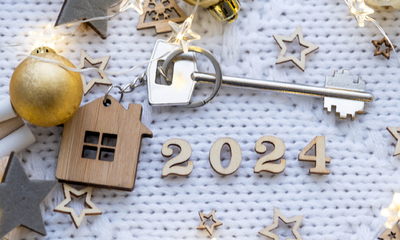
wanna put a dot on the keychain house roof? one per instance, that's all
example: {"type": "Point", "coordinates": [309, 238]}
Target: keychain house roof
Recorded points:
{"type": "Point", "coordinates": [100, 145]}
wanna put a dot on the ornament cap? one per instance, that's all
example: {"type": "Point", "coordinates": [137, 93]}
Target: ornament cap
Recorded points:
{"type": "Point", "coordinates": [225, 10]}
{"type": "Point", "coordinates": [43, 49]}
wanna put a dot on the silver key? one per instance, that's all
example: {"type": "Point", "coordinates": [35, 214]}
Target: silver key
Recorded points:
{"type": "Point", "coordinates": [340, 91]}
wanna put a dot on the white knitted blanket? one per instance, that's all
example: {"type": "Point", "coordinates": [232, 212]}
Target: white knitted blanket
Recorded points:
{"type": "Point", "coordinates": [345, 204]}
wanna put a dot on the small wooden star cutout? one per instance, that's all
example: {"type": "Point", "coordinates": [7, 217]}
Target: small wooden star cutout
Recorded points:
{"type": "Point", "coordinates": [390, 234]}
{"type": "Point", "coordinates": [301, 63]}
{"type": "Point", "coordinates": [378, 44]}
{"type": "Point", "coordinates": [395, 133]}
{"type": "Point", "coordinates": [103, 61]}
{"type": "Point", "coordinates": [62, 207]}
{"type": "Point", "coordinates": [278, 215]}
{"type": "Point", "coordinates": [210, 229]}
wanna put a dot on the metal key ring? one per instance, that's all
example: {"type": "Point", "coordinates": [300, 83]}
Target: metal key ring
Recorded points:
{"type": "Point", "coordinates": [215, 63]}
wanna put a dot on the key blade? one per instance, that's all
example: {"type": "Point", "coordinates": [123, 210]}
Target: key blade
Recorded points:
{"type": "Point", "coordinates": [344, 107]}
{"type": "Point", "coordinates": [291, 88]}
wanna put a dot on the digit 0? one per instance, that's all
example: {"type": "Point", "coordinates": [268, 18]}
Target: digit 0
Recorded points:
{"type": "Point", "coordinates": [215, 156]}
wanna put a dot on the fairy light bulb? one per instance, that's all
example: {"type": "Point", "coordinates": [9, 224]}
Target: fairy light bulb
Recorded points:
{"type": "Point", "coordinates": [392, 212]}
{"type": "Point", "coordinates": [135, 4]}
{"type": "Point", "coordinates": [46, 38]}
{"type": "Point", "coordinates": [360, 11]}
{"type": "Point", "coordinates": [182, 34]}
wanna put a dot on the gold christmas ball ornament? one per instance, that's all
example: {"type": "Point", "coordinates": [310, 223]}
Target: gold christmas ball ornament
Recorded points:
{"type": "Point", "coordinates": [222, 10]}
{"type": "Point", "coordinates": [45, 94]}
{"type": "Point", "coordinates": [383, 3]}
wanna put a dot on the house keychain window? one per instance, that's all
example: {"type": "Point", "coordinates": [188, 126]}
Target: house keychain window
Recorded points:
{"type": "Point", "coordinates": [103, 150]}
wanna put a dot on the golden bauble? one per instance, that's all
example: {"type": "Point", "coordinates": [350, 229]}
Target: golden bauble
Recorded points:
{"type": "Point", "coordinates": [383, 4]}
{"type": "Point", "coordinates": [45, 94]}
{"type": "Point", "coordinates": [222, 10]}
{"type": "Point", "coordinates": [203, 3]}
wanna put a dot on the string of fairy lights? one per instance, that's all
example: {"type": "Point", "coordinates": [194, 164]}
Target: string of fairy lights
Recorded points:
{"type": "Point", "coordinates": [182, 34]}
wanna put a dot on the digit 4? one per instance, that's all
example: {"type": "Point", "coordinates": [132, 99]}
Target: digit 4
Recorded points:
{"type": "Point", "coordinates": [320, 159]}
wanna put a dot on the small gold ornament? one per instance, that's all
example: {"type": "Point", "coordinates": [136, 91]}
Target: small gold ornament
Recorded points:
{"type": "Point", "coordinates": [384, 3]}
{"type": "Point", "coordinates": [227, 10]}
{"type": "Point", "coordinates": [45, 94]}
{"type": "Point", "coordinates": [222, 10]}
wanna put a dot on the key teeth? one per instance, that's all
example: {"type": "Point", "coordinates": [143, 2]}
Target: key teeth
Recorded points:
{"type": "Point", "coordinates": [328, 108]}
{"type": "Point", "coordinates": [344, 116]}
{"type": "Point", "coordinates": [344, 72]}
{"type": "Point", "coordinates": [344, 81]}
{"type": "Point", "coordinates": [343, 107]}
{"type": "Point", "coordinates": [360, 81]}
{"type": "Point", "coordinates": [341, 115]}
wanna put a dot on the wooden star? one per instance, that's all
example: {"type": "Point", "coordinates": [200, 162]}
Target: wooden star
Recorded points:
{"type": "Point", "coordinates": [20, 199]}
{"type": "Point", "coordinates": [310, 47]}
{"type": "Point", "coordinates": [75, 10]}
{"type": "Point", "coordinates": [91, 210]}
{"type": "Point", "coordinates": [395, 133]}
{"type": "Point", "coordinates": [103, 61]}
{"type": "Point", "coordinates": [278, 215]}
{"type": "Point", "coordinates": [390, 234]}
{"type": "Point", "coordinates": [210, 229]}
{"type": "Point", "coordinates": [378, 44]}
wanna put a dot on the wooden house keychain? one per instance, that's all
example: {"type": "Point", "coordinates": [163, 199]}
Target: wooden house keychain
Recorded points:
{"type": "Point", "coordinates": [100, 144]}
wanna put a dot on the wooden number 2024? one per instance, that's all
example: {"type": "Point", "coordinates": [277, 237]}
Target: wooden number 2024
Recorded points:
{"type": "Point", "coordinates": [263, 164]}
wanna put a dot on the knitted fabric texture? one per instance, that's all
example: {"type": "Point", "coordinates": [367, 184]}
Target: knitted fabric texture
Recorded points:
{"type": "Point", "coordinates": [345, 204]}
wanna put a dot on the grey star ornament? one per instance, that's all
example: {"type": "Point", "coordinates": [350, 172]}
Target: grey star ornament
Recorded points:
{"type": "Point", "coordinates": [75, 10]}
{"type": "Point", "coordinates": [20, 199]}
